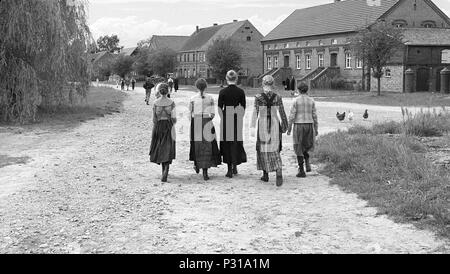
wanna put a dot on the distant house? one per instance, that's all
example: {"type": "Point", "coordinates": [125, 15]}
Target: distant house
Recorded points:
{"type": "Point", "coordinates": [129, 51]}
{"type": "Point", "coordinates": [158, 42]}
{"type": "Point", "coordinates": [313, 44]}
{"type": "Point", "coordinates": [100, 61]}
{"type": "Point", "coordinates": [192, 60]}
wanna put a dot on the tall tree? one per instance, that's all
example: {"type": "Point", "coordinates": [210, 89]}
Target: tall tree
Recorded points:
{"type": "Point", "coordinates": [162, 61]}
{"type": "Point", "coordinates": [224, 55]}
{"type": "Point", "coordinates": [123, 65]}
{"type": "Point", "coordinates": [43, 49]}
{"type": "Point", "coordinates": [377, 45]}
{"type": "Point", "coordinates": [109, 43]}
{"type": "Point", "coordinates": [142, 65]}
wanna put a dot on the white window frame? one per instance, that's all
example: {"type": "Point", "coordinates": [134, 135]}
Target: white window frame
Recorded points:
{"type": "Point", "coordinates": [386, 74]}
{"type": "Point", "coordinates": [334, 41]}
{"type": "Point", "coordinates": [298, 61]}
{"type": "Point", "coordinates": [321, 61]}
{"type": "Point", "coordinates": [275, 61]}
{"type": "Point", "coordinates": [348, 60]}
{"type": "Point", "coordinates": [359, 63]}
{"type": "Point", "coordinates": [269, 62]}
{"type": "Point", "coordinates": [308, 61]}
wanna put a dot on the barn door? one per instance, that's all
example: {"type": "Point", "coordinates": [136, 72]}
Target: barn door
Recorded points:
{"type": "Point", "coordinates": [423, 78]}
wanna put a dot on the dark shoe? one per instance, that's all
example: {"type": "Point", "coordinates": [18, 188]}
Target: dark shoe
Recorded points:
{"type": "Point", "coordinates": [307, 163]}
{"type": "Point", "coordinates": [205, 175]}
{"type": "Point", "coordinates": [301, 168]}
{"type": "Point", "coordinates": [265, 177]}
{"type": "Point", "coordinates": [230, 172]}
{"type": "Point", "coordinates": [165, 173]}
{"type": "Point", "coordinates": [235, 171]}
{"type": "Point", "coordinates": [279, 178]}
{"type": "Point", "coordinates": [197, 170]}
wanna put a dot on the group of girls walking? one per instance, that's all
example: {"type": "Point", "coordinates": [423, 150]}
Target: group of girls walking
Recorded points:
{"type": "Point", "coordinates": [269, 118]}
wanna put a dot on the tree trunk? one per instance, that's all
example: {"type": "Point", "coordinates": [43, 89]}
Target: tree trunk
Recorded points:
{"type": "Point", "coordinates": [379, 86]}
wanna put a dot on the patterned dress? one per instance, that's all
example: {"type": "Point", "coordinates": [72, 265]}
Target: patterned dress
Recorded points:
{"type": "Point", "coordinates": [270, 130]}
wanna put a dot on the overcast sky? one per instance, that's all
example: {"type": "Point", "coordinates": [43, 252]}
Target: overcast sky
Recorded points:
{"type": "Point", "coordinates": [134, 20]}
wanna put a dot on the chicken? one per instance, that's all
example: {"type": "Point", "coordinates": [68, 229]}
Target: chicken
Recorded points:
{"type": "Point", "coordinates": [366, 115]}
{"type": "Point", "coordinates": [350, 115]}
{"type": "Point", "coordinates": [341, 117]}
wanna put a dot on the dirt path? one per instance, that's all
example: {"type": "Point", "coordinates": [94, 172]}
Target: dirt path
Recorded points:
{"type": "Point", "coordinates": [92, 189]}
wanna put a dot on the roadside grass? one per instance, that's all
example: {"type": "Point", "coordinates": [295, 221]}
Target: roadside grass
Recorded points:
{"type": "Point", "coordinates": [99, 102]}
{"type": "Point", "coordinates": [418, 99]}
{"type": "Point", "coordinates": [392, 172]}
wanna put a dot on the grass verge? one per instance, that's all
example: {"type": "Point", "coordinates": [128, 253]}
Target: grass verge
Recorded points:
{"type": "Point", "coordinates": [391, 172]}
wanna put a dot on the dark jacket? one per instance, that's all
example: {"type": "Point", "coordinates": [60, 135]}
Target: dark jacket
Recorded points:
{"type": "Point", "coordinates": [175, 84]}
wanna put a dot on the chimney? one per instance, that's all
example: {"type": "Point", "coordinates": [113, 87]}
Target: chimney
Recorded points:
{"type": "Point", "coordinates": [215, 24]}
{"type": "Point", "coordinates": [235, 20]}
{"type": "Point", "coordinates": [337, 1]}
{"type": "Point", "coordinates": [197, 29]}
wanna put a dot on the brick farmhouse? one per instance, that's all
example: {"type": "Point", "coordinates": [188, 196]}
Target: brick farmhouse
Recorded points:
{"type": "Point", "coordinates": [192, 56]}
{"type": "Point", "coordinates": [313, 44]}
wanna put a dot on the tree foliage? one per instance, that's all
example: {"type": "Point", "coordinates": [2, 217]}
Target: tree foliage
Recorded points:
{"type": "Point", "coordinates": [43, 55]}
{"type": "Point", "coordinates": [376, 45]}
{"type": "Point", "coordinates": [109, 43]}
{"type": "Point", "coordinates": [161, 62]}
{"type": "Point", "coordinates": [222, 56]}
{"type": "Point", "coordinates": [123, 65]}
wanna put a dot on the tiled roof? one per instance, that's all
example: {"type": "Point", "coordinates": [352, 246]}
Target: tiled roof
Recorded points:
{"type": "Point", "coordinates": [172, 42]}
{"type": "Point", "coordinates": [337, 17]}
{"type": "Point", "coordinates": [201, 40]}
{"type": "Point", "coordinates": [128, 51]}
{"type": "Point", "coordinates": [95, 57]}
{"type": "Point", "coordinates": [427, 37]}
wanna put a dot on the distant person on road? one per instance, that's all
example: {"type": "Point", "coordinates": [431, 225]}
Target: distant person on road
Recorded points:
{"type": "Point", "coordinates": [231, 107]}
{"type": "Point", "coordinates": [127, 82]}
{"type": "Point", "coordinates": [303, 118]}
{"type": "Point", "coordinates": [204, 149]}
{"type": "Point", "coordinates": [148, 86]}
{"type": "Point", "coordinates": [176, 84]}
{"type": "Point", "coordinates": [170, 82]}
{"type": "Point", "coordinates": [122, 84]}
{"type": "Point", "coordinates": [163, 145]}
{"type": "Point", "coordinates": [133, 83]}
{"type": "Point", "coordinates": [268, 106]}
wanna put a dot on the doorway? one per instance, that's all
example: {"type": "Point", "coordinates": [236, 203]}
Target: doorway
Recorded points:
{"type": "Point", "coordinates": [438, 80]}
{"type": "Point", "coordinates": [333, 61]}
{"type": "Point", "coordinates": [286, 61]}
{"type": "Point", "coordinates": [423, 78]}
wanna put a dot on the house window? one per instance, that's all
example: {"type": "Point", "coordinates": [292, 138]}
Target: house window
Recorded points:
{"type": "Point", "coordinates": [348, 60]}
{"type": "Point", "coordinates": [275, 46]}
{"type": "Point", "coordinates": [399, 23]}
{"type": "Point", "coordinates": [334, 41]}
{"type": "Point", "coordinates": [359, 63]}
{"type": "Point", "coordinates": [275, 61]}
{"type": "Point", "coordinates": [249, 38]}
{"type": "Point", "coordinates": [429, 24]}
{"type": "Point", "coordinates": [286, 46]}
{"type": "Point", "coordinates": [320, 43]}
{"type": "Point", "coordinates": [269, 63]}
{"type": "Point", "coordinates": [387, 73]}
{"type": "Point", "coordinates": [308, 61]}
{"type": "Point", "coordinates": [268, 46]}
{"type": "Point", "coordinates": [308, 43]}
{"type": "Point", "coordinates": [298, 44]}
{"type": "Point", "coordinates": [321, 64]}
{"type": "Point", "coordinates": [298, 61]}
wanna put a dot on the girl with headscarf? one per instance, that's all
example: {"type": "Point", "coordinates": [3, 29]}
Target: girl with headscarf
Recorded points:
{"type": "Point", "coordinates": [163, 147]}
{"type": "Point", "coordinates": [204, 149]}
{"type": "Point", "coordinates": [268, 105]}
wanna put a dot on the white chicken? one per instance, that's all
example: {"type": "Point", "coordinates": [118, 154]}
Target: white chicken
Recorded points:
{"type": "Point", "coordinates": [350, 115]}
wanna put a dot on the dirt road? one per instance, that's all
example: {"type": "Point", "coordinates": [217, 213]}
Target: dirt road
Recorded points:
{"type": "Point", "coordinates": [92, 190]}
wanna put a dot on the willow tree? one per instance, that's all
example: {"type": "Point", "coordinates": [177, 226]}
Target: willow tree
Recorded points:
{"type": "Point", "coordinates": [43, 56]}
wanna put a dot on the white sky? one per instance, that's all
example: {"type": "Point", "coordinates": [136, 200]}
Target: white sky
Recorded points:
{"type": "Point", "coordinates": [135, 20]}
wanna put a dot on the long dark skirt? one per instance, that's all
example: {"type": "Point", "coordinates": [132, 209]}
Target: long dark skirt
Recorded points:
{"type": "Point", "coordinates": [304, 138]}
{"type": "Point", "coordinates": [204, 153]}
{"type": "Point", "coordinates": [163, 147]}
{"type": "Point", "coordinates": [233, 152]}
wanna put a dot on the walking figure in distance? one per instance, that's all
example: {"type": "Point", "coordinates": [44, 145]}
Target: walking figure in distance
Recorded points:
{"type": "Point", "coordinates": [268, 106]}
{"type": "Point", "coordinates": [163, 146]}
{"type": "Point", "coordinates": [303, 119]}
